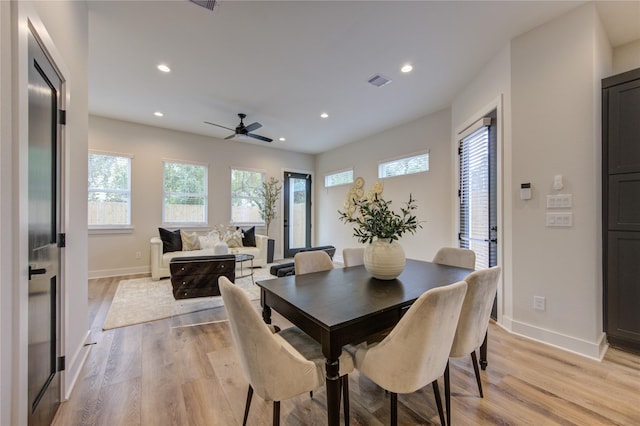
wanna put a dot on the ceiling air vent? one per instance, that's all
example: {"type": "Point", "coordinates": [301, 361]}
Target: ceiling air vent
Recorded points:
{"type": "Point", "coordinates": [209, 4]}
{"type": "Point", "coordinates": [379, 80]}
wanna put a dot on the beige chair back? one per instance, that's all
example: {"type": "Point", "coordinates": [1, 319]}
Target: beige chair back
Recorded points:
{"type": "Point", "coordinates": [476, 309]}
{"type": "Point", "coordinates": [416, 351]}
{"type": "Point", "coordinates": [453, 256]}
{"type": "Point", "coordinates": [306, 262]}
{"type": "Point", "coordinates": [352, 256]}
{"type": "Point", "coordinates": [274, 369]}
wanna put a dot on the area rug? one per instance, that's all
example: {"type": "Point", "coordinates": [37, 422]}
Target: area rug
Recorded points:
{"type": "Point", "coordinates": [143, 300]}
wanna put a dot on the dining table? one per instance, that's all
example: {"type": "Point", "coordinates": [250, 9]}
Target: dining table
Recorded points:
{"type": "Point", "coordinates": [347, 305]}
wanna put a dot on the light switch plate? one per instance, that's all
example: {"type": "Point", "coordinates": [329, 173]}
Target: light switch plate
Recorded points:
{"type": "Point", "coordinates": [560, 219]}
{"type": "Point", "coordinates": [559, 201]}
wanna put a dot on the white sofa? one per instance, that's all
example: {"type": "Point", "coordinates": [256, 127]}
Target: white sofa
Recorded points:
{"type": "Point", "coordinates": [160, 261]}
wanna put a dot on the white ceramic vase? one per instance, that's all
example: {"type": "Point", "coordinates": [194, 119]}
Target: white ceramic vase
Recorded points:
{"type": "Point", "coordinates": [384, 260]}
{"type": "Point", "coordinates": [221, 247]}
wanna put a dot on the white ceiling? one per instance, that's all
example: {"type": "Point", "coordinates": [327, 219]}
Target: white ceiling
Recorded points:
{"type": "Point", "coordinates": [284, 62]}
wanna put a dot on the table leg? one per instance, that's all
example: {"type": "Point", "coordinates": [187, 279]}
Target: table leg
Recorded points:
{"type": "Point", "coordinates": [266, 310]}
{"type": "Point", "coordinates": [483, 352]}
{"type": "Point", "coordinates": [333, 391]}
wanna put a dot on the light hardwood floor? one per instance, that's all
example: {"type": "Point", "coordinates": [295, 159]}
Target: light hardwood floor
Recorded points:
{"type": "Point", "coordinates": [172, 372]}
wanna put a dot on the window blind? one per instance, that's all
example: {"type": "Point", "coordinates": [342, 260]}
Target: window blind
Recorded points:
{"type": "Point", "coordinates": [474, 193]}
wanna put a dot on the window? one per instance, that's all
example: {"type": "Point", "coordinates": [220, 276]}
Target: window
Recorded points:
{"type": "Point", "coordinates": [185, 193]}
{"type": "Point", "coordinates": [415, 163]}
{"type": "Point", "coordinates": [343, 177]}
{"type": "Point", "coordinates": [245, 193]}
{"type": "Point", "coordinates": [109, 190]}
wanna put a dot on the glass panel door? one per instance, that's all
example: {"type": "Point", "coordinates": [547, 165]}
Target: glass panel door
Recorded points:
{"type": "Point", "coordinates": [297, 212]}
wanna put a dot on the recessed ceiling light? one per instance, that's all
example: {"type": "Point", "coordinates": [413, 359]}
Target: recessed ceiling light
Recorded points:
{"type": "Point", "coordinates": [324, 115]}
{"type": "Point", "coordinates": [406, 68]}
{"type": "Point", "coordinates": [282, 139]}
{"type": "Point", "coordinates": [158, 114]}
{"type": "Point", "coordinates": [164, 68]}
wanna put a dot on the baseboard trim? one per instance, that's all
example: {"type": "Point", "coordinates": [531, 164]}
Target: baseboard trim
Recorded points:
{"type": "Point", "coordinates": [105, 273]}
{"type": "Point", "coordinates": [74, 367]}
{"type": "Point", "coordinates": [593, 350]}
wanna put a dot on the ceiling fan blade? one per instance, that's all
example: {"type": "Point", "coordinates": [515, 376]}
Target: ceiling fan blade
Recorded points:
{"type": "Point", "coordinates": [214, 124]}
{"type": "Point", "coordinates": [231, 136]}
{"type": "Point", "coordinates": [262, 138]}
{"type": "Point", "coordinates": [253, 126]}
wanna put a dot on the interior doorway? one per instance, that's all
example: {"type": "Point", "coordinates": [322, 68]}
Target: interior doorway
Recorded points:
{"type": "Point", "coordinates": [44, 200]}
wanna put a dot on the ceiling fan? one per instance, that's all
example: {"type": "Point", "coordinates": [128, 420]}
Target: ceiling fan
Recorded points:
{"type": "Point", "coordinates": [243, 130]}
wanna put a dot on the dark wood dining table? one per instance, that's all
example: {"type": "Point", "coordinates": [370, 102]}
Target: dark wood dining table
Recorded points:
{"type": "Point", "coordinates": [347, 305]}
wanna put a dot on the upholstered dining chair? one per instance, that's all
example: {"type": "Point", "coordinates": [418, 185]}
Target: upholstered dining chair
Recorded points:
{"type": "Point", "coordinates": [306, 262]}
{"type": "Point", "coordinates": [453, 256]}
{"type": "Point", "coordinates": [473, 323]}
{"type": "Point", "coordinates": [352, 256]}
{"type": "Point", "coordinates": [416, 351]}
{"type": "Point", "coordinates": [278, 366]}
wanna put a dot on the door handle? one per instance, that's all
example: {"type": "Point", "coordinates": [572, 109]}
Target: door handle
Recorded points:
{"type": "Point", "coordinates": [36, 271]}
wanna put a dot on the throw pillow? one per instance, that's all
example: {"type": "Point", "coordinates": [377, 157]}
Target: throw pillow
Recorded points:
{"type": "Point", "coordinates": [249, 237]}
{"type": "Point", "coordinates": [171, 240]}
{"type": "Point", "coordinates": [207, 242]}
{"type": "Point", "coordinates": [189, 241]}
{"type": "Point", "coordinates": [234, 239]}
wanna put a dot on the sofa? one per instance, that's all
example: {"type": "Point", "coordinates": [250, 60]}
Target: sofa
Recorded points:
{"type": "Point", "coordinates": [160, 261]}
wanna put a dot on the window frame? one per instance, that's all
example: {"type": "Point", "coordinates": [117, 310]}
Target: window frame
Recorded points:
{"type": "Point", "coordinates": [263, 175]}
{"type": "Point", "coordinates": [205, 195]}
{"type": "Point", "coordinates": [409, 156]}
{"type": "Point", "coordinates": [111, 227]}
{"type": "Point", "coordinates": [338, 172]}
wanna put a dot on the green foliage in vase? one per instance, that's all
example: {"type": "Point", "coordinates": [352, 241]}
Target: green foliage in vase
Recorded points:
{"type": "Point", "coordinates": [373, 218]}
{"type": "Point", "coordinates": [267, 200]}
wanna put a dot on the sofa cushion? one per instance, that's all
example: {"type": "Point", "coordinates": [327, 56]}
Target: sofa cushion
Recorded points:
{"type": "Point", "coordinates": [171, 240]}
{"type": "Point", "coordinates": [189, 241]}
{"type": "Point", "coordinates": [249, 237]}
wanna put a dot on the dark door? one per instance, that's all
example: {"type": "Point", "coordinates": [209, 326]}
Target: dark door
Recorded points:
{"type": "Point", "coordinates": [621, 209]}
{"type": "Point", "coordinates": [478, 194]}
{"type": "Point", "coordinates": [297, 212]}
{"type": "Point", "coordinates": [44, 257]}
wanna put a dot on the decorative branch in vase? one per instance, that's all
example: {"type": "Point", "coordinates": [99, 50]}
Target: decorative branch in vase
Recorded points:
{"type": "Point", "coordinates": [268, 200]}
{"type": "Point", "coordinates": [380, 227]}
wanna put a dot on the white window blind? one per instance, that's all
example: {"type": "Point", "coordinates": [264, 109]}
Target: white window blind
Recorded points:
{"type": "Point", "coordinates": [474, 194]}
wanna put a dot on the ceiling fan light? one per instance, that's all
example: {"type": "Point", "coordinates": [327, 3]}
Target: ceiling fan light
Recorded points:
{"type": "Point", "coordinates": [164, 68]}
{"type": "Point", "coordinates": [324, 115]}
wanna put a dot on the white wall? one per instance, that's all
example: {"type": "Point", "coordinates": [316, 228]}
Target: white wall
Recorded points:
{"type": "Point", "coordinates": [555, 103]}
{"type": "Point", "coordinates": [64, 31]}
{"type": "Point", "coordinates": [114, 254]}
{"type": "Point", "coordinates": [626, 57]}
{"type": "Point", "coordinates": [431, 189]}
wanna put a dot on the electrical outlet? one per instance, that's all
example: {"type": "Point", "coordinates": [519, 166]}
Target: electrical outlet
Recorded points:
{"type": "Point", "coordinates": [539, 303]}
{"type": "Point", "coordinates": [138, 255]}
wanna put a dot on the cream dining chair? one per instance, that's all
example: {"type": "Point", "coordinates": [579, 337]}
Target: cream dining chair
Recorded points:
{"type": "Point", "coordinates": [352, 256]}
{"type": "Point", "coordinates": [278, 366]}
{"type": "Point", "coordinates": [416, 351]}
{"type": "Point", "coordinates": [306, 262]}
{"type": "Point", "coordinates": [473, 323]}
{"type": "Point", "coordinates": [453, 256]}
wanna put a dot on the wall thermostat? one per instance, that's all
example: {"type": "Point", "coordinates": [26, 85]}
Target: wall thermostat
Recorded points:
{"type": "Point", "coordinates": [525, 191]}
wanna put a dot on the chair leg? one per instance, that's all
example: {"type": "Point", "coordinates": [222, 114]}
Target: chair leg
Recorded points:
{"type": "Point", "coordinates": [276, 413]}
{"type": "Point", "coordinates": [447, 393]}
{"type": "Point", "coordinates": [436, 394]}
{"type": "Point", "coordinates": [345, 397]}
{"type": "Point", "coordinates": [393, 397]}
{"type": "Point", "coordinates": [247, 405]}
{"type": "Point", "coordinates": [474, 360]}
